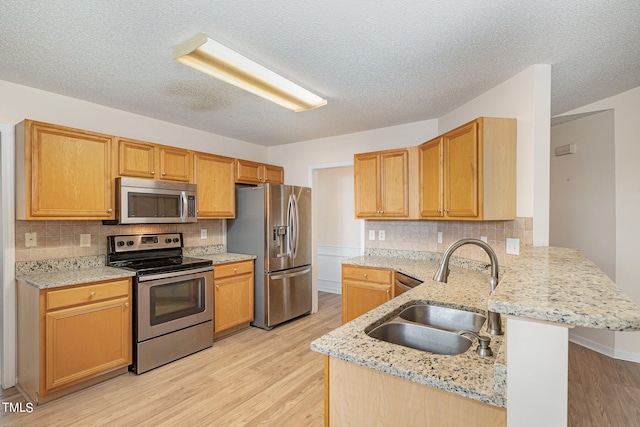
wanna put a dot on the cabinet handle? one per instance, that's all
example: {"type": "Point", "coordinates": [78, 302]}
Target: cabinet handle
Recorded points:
{"type": "Point", "coordinates": [153, 172]}
{"type": "Point", "coordinates": [164, 173]}
{"type": "Point", "coordinates": [235, 270]}
{"type": "Point", "coordinates": [364, 275]}
{"type": "Point", "coordinates": [109, 210]}
{"type": "Point", "coordinates": [92, 294]}
{"type": "Point", "coordinates": [126, 304]}
{"type": "Point", "coordinates": [217, 286]}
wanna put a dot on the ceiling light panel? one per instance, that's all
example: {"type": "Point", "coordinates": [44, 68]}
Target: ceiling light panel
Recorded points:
{"type": "Point", "coordinates": [210, 57]}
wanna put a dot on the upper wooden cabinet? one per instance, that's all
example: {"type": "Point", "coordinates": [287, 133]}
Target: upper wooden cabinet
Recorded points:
{"type": "Point", "coordinates": [214, 176]}
{"type": "Point", "coordinates": [383, 184]}
{"type": "Point", "coordinates": [63, 173]}
{"type": "Point", "coordinates": [248, 172]}
{"type": "Point", "coordinates": [469, 173]}
{"type": "Point", "coordinates": [145, 160]}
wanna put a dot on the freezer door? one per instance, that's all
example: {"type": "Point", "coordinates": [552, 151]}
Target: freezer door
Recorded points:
{"type": "Point", "coordinates": [288, 295]}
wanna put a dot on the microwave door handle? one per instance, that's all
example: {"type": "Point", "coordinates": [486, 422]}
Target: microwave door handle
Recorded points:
{"type": "Point", "coordinates": [185, 206]}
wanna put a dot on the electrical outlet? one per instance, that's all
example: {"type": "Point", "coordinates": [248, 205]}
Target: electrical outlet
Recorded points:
{"type": "Point", "coordinates": [513, 246]}
{"type": "Point", "coordinates": [30, 240]}
{"type": "Point", "coordinates": [381, 235]}
{"type": "Point", "coordinates": [203, 233]}
{"type": "Point", "coordinates": [484, 239]}
{"type": "Point", "coordinates": [439, 236]}
{"type": "Point", "coordinates": [372, 234]}
{"type": "Point", "coordinates": [85, 240]}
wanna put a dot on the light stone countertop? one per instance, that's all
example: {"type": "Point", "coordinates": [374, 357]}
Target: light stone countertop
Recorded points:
{"type": "Point", "coordinates": [466, 374]}
{"type": "Point", "coordinates": [563, 286]}
{"type": "Point", "coordinates": [76, 271]}
{"type": "Point", "coordinates": [545, 283]}
{"type": "Point", "coordinates": [78, 276]}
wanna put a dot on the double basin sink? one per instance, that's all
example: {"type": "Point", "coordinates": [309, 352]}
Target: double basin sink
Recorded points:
{"type": "Point", "coordinates": [431, 328]}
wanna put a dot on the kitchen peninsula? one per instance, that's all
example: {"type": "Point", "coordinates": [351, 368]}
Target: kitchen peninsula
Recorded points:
{"type": "Point", "coordinates": [557, 287]}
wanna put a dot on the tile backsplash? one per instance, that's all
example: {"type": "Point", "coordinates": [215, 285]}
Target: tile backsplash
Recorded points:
{"type": "Point", "coordinates": [423, 236]}
{"type": "Point", "coordinates": [61, 239]}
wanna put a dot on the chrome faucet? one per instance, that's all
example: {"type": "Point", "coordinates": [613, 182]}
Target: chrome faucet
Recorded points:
{"type": "Point", "coordinates": [495, 322]}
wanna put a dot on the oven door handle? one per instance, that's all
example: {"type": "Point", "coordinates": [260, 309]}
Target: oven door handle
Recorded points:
{"type": "Point", "coordinates": [174, 274]}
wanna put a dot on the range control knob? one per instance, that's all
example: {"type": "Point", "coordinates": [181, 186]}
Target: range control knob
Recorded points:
{"type": "Point", "coordinates": [176, 240]}
{"type": "Point", "coordinates": [167, 240]}
{"type": "Point", "coordinates": [129, 242]}
{"type": "Point", "coordinates": [120, 243]}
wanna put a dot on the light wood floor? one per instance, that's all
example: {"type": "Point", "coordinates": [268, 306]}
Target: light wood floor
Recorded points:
{"type": "Point", "coordinates": [272, 378]}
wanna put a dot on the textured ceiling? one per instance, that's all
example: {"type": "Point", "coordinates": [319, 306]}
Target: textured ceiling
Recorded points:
{"type": "Point", "coordinates": [378, 63]}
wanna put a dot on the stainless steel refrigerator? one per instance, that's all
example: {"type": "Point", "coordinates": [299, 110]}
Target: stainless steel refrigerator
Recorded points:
{"type": "Point", "coordinates": [273, 222]}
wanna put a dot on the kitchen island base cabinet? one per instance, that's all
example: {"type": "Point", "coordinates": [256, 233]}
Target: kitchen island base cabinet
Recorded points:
{"type": "Point", "coordinates": [72, 337]}
{"type": "Point", "coordinates": [355, 395]}
{"type": "Point", "coordinates": [363, 289]}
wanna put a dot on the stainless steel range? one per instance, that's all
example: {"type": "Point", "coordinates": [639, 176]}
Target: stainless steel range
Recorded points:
{"type": "Point", "coordinates": [173, 297]}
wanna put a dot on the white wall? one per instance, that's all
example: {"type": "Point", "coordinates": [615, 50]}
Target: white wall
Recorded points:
{"type": "Point", "coordinates": [21, 102]}
{"type": "Point", "coordinates": [338, 233]}
{"type": "Point", "coordinates": [525, 97]}
{"type": "Point", "coordinates": [626, 110]}
{"type": "Point", "coordinates": [298, 158]}
{"type": "Point", "coordinates": [582, 196]}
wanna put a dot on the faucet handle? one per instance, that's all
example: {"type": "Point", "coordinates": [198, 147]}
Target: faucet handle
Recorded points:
{"type": "Point", "coordinates": [483, 342]}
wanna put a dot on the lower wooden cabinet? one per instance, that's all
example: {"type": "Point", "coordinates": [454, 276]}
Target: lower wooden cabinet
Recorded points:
{"type": "Point", "coordinates": [233, 297]}
{"type": "Point", "coordinates": [363, 289]}
{"type": "Point", "coordinates": [72, 337]}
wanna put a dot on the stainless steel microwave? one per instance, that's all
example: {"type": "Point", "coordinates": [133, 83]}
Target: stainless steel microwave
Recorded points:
{"type": "Point", "coordinates": [148, 201]}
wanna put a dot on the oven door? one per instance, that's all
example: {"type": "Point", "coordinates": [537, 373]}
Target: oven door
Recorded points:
{"type": "Point", "coordinates": [167, 304]}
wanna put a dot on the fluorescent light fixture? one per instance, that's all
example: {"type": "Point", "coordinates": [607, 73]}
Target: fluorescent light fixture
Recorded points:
{"type": "Point", "coordinates": [210, 57]}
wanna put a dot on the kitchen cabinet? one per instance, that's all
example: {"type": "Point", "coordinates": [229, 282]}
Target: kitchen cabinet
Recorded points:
{"type": "Point", "coordinates": [153, 161]}
{"type": "Point", "coordinates": [383, 185]}
{"type": "Point", "coordinates": [248, 172]}
{"type": "Point", "coordinates": [63, 173]}
{"type": "Point", "coordinates": [214, 176]}
{"type": "Point", "coordinates": [233, 297]}
{"type": "Point", "coordinates": [357, 395]}
{"type": "Point", "coordinates": [363, 289]}
{"type": "Point", "coordinates": [72, 337]}
{"type": "Point", "coordinates": [469, 173]}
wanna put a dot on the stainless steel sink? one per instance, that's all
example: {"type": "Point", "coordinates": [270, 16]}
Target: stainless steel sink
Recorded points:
{"type": "Point", "coordinates": [421, 338]}
{"type": "Point", "coordinates": [430, 328]}
{"type": "Point", "coordinates": [451, 319]}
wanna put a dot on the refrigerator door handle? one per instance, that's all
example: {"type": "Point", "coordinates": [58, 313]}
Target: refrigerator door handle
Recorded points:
{"type": "Point", "coordinates": [291, 225]}
{"type": "Point", "coordinates": [288, 275]}
{"type": "Point", "coordinates": [296, 226]}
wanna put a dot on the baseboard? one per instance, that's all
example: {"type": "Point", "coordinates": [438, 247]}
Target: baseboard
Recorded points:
{"type": "Point", "coordinates": [329, 286]}
{"type": "Point", "coordinates": [605, 350]}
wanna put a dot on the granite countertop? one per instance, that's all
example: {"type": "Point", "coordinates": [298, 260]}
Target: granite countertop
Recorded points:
{"type": "Point", "coordinates": [466, 374]}
{"type": "Point", "coordinates": [76, 271]}
{"type": "Point", "coordinates": [563, 286]}
{"type": "Point", "coordinates": [77, 276]}
{"type": "Point", "coordinates": [550, 284]}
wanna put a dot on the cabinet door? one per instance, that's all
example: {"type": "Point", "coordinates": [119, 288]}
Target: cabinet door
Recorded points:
{"type": "Point", "coordinates": [248, 172]}
{"type": "Point", "coordinates": [461, 172]}
{"type": "Point", "coordinates": [431, 178]}
{"type": "Point", "coordinates": [214, 176]}
{"type": "Point", "coordinates": [85, 341]}
{"type": "Point", "coordinates": [175, 164]}
{"type": "Point", "coordinates": [273, 174]}
{"type": "Point", "coordinates": [68, 173]}
{"type": "Point", "coordinates": [394, 183]}
{"type": "Point", "coordinates": [136, 159]}
{"type": "Point", "coordinates": [360, 297]}
{"type": "Point", "coordinates": [366, 169]}
{"type": "Point", "coordinates": [233, 302]}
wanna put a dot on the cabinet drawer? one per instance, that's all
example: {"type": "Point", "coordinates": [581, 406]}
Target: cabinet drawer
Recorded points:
{"type": "Point", "coordinates": [232, 269]}
{"type": "Point", "coordinates": [374, 275]}
{"type": "Point", "coordinates": [84, 294]}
